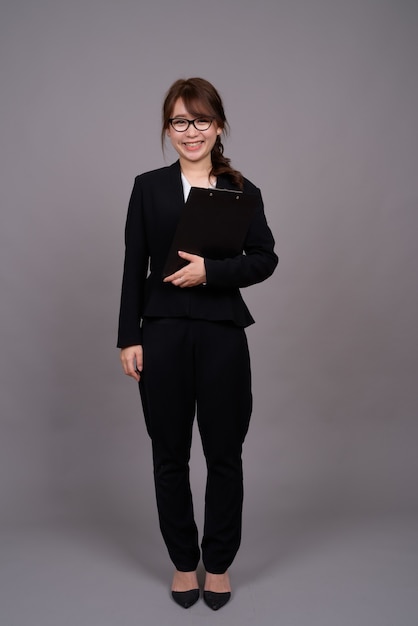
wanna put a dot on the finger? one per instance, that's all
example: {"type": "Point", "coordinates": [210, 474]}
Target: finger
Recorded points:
{"type": "Point", "coordinates": [171, 278]}
{"type": "Point", "coordinates": [176, 279]}
{"type": "Point", "coordinates": [129, 367]}
{"type": "Point", "coordinates": [140, 360]}
{"type": "Point", "coordinates": [186, 255]}
{"type": "Point", "coordinates": [132, 371]}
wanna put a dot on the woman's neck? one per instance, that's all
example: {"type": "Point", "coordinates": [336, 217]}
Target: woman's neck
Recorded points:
{"type": "Point", "coordinates": [197, 174]}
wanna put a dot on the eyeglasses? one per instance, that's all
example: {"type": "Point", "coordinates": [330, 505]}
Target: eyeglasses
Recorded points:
{"type": "Point", "coordinates": [180, 124]}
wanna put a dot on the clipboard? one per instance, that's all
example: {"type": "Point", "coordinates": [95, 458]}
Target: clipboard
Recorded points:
{"type": "Point", "coordinates": [212, 224]}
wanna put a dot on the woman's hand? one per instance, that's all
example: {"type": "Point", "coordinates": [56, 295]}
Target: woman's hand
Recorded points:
{"type": "Point", "coordinates": [132, 361]}
{"type": "Point", "coordinates": [192, 275]}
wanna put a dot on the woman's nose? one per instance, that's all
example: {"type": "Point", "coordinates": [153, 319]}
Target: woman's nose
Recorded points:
{"type": "Point", "coordinates": [192, 131]}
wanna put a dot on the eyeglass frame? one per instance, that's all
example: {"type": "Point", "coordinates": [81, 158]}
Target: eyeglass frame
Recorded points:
{"type": "Point", "coordinates": [189, 122]}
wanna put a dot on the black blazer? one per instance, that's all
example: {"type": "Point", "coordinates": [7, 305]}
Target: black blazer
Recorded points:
{"type": "Point", "coordinates": [154, 208]}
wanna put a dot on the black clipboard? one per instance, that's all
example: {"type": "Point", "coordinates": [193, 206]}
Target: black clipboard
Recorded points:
{"type": "Point", "coordinates": [212, 224]}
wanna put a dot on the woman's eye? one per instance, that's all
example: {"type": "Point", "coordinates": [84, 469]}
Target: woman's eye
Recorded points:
{"type": "Point", "coordinates": [179, 123]}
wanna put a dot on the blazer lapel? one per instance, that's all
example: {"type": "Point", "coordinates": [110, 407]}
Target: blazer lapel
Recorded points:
{"type": "Point", "coordinates": [174, 185]}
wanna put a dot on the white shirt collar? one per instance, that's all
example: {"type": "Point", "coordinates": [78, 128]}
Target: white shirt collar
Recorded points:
{"type": "Point", "coordinates": [187, 186]}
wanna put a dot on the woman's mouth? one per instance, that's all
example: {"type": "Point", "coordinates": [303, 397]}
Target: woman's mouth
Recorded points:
{"type": "Point", "coordinates": [193, 144]}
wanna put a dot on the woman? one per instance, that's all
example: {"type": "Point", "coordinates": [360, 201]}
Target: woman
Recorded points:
{"type": "Point", "coordinates": [182, 338]}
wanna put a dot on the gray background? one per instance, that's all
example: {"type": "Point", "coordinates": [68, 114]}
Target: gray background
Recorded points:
{"type": "Point", "coordinates": [322, 99]}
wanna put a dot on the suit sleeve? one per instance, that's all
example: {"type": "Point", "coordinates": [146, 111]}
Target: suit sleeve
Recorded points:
{"type": "Point", "coordinates": [134, 273]}
{"type": "Point", "coordinates": [256, 264]}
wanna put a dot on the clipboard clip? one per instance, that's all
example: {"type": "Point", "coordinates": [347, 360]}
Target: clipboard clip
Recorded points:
{"type": "Point", "coordinates": [237, 197]}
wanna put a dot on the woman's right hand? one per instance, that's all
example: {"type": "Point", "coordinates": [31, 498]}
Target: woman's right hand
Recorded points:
{"type": "Point", "coordinates": [132, 361]}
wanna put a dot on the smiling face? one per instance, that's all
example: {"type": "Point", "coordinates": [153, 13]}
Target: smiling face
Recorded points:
{"type": "Point", "coordinates": [192, 145]}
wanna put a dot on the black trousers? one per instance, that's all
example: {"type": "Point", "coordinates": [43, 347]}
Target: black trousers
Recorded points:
{"type": "Point", "coordinates": [203, 368]}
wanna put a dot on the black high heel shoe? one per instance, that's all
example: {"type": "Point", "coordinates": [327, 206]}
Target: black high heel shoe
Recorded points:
{"type": "Point", "coordinates": [215, 600]}
{"type": "Point", "coordinates": [186, 599]}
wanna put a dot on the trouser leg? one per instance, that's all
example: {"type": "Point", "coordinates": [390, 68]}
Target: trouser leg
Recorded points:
{"type": "Point", "coordinates": [168, 398]}
{"type": "Point", "coordinates": [224, 404]}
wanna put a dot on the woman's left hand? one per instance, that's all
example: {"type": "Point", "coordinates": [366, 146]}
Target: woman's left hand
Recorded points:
{"type": "Point", "coordinates": [191, 275]}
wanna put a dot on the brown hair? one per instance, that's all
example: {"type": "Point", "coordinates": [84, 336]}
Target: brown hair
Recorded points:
{"type": "Point", "coordinates": [201, 97]}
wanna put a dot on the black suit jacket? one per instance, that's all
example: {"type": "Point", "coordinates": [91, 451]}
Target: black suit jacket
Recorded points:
{"type": "Point", "coordinates": [154, 209]}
